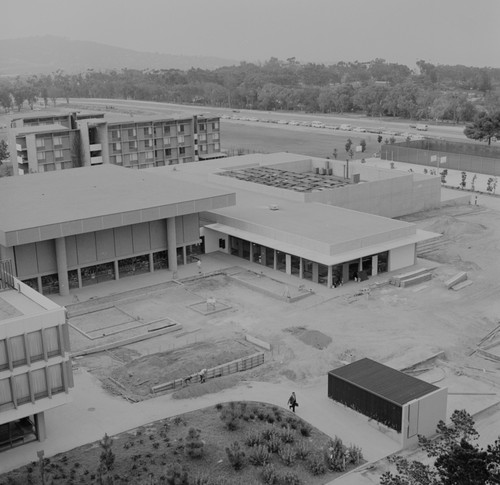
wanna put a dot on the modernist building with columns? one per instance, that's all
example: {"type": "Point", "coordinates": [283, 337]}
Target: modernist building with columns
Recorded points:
{"type": "Point", "coordinates": [320, 220]}
{"type": "Point", "coordinates": [73, 228]}
{"type": "Point", "coordinates": [35, 366]}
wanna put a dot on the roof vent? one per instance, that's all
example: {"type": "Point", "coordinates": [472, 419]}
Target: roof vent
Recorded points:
{"type": "Point", "coordinates": [273, 207]}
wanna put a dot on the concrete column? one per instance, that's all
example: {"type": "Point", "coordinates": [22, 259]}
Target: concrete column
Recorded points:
{"type": "Point", "coordinates": [263, 258]}
{"type": "Point", "coordinates": [288, 263]}
{"type": "Point", "coordinates": [40, 426]}
{"type": "Point", "coordinates": [184, 255]}
{"type": "Point", "coordinates": [275, 265]}
{"type": "Point", "coordinates": [79, 276]}
{"type": "Point", "coordinates": [301, 268]}
{"type": "Point", "coordinates": [345, 272]}
{"type": "Point", "coordinates": [151, 263]}
{"type": "Point", "coordinates": [171, 245]}
{"type": "Point", "coordinates": [251, 252]}
{"type": "Point", "coordinates": [374, 265]}
{"type": "Point", "coordinates": [360, 264]}
{"type": "Point", "coordinates": [62, 266]}
{"type": "Point", "coordinates": [329, 281]}
{"type": "Point", "coordinates": [315, 273]}
{"type": "Point", "coordinates": [117, 272]}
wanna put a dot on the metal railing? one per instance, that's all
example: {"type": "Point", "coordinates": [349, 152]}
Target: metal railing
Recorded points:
{"type": "Point", "coordinates": [6, 276]}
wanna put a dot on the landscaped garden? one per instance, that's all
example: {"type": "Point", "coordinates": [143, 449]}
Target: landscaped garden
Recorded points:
{"type": "Point", "coordinates": [236, 443]}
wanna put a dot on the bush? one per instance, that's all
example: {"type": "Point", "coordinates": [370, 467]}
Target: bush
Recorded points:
{"type": "Point", "coordinates": [316, 464]}
{"type": "Point", "coordinates": [290, 478]}
{"type": "Point", "coordinates": [354, 455]}
{"type": "Point", "coordinates": [305, 429]}
{"type": "Point", "coordinates": [269, 475]}
{"type": "Point", "coordinates": [194, 446]}
{"type": "Point", "coordinates": [107, 457]}
{"type": "Point", "coordinates": [236, 456]}
{"type": "Point", "coordinates": [287, 435]}
{"type": "Point", "coordinates": [259, 456]}
{"type": "Point", "coordinates": [231, 416]}
{"type": "Point", "coordinates": [287, 454]}
{"type": "Point", "coordinates": [303, 450]}
{"type": "Point", "coordinates": [335, 455]}
{"type": "Point", "coordinates": [177, 475]}
{"type": "Point", "coordinates": [254, 438]}
{"type": "Point", "coordinates": [268, 433]}
{"type": "Point", "coordinates": [274, 443]}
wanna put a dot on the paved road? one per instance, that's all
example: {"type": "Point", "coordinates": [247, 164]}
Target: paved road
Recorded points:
{"type": "Point", "coordinates": [447, 132]}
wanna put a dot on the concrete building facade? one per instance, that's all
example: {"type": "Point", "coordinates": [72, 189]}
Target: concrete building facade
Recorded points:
{"type": "Point", "coordinates": [84, 226]}
{"type": "Point", "coordinates": [59, 142]}
{"type": "Point", "coordinates": [35, 365]}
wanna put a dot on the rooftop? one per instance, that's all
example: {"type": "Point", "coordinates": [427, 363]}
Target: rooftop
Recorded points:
{"type": "Point", "coordinates": [386, 382]}
{"type": "Point", "coordinates": [43, 206]}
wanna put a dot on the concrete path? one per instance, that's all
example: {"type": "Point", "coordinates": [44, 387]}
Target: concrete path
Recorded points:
{"type": "Point", "coordinates": [94, 412]}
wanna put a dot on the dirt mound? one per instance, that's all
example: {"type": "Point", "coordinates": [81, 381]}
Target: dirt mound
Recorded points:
{"type": "Point", "coordinates": [314, 338]}
{"type": "Point", "coordinates": [452, 227]}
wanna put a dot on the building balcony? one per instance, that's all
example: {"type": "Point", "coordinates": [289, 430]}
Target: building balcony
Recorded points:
{"type": "Point", "coordinates": [95, 160]}
{"type": "Point", "coordinates": [95, 147]}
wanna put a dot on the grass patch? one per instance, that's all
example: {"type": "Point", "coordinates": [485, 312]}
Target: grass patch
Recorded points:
{"type": "Point", "coordinates": [197, 448]}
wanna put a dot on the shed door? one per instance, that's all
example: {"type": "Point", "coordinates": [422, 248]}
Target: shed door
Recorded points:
{"type": "Point", "coordinates": [413, 419]}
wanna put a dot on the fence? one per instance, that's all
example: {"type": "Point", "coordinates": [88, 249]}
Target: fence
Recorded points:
{"type": "Point", "coordinates": [239, 365]}
{"type": "Point", "coordinates": [421, 153]}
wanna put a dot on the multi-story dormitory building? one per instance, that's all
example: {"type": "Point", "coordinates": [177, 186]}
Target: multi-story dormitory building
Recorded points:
{"type": "Point", "coordinates": [46, 143]}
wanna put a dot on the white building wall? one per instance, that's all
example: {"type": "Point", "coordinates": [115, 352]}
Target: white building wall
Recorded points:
{"type": "Point", "coordinates": [212, 240]}
{"type": "Point", "coordinates": [431, 410]}
{"type": "Point", "coordinates": [402, 257]}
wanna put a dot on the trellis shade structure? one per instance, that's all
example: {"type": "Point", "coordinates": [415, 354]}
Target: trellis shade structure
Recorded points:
{"type": "Point", "coordinates": [401, 402]}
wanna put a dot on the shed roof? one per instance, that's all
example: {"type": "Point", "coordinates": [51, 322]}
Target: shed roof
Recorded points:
{"type": "Point", "coordinates": [384, 381]}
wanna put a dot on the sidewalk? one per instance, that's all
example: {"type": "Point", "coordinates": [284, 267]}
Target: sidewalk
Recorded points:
{"type": "Point", "coordinates": [94, 412]}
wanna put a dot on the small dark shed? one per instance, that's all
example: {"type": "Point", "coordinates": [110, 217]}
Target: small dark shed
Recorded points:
{"type": "Point", "coordinates": [393, 398]}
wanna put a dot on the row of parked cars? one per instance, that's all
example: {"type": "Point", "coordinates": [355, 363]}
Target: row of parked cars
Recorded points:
{"type": "Point", "coordinates": [320, 124]}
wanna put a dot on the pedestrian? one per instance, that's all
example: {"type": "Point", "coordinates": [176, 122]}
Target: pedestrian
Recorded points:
{"type": "Point", "coordinates": [203, 375]}
{"type": "Point", "coordinates": [292, 402]}
{"type": "Point", "coordinates": [475, 200]}
{"type": "Point", "coordinates": [199, 266]}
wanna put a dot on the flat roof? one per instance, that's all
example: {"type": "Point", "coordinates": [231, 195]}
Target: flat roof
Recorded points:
{"type": "Point", "coordinates": [15, 304]}
{"type": "Point", "coordinates": [27, 129]}
{"type": "Point", "coordinates": [384, 381]}
{"type": "Point", "coordinates": [44, 206]}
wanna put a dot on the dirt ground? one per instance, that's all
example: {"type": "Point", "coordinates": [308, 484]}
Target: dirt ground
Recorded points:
{"type": "Point", "coordinates": [311, 336]}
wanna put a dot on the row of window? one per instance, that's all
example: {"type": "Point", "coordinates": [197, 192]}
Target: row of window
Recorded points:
{"type": "Point", "coordinates": [32, 347]}
{"type": "Point", "coordinates": [42, 156]}
{"type": "Point", "coordinates": [56, 140]}
{"type": "Point", "coordinates": [116, 134]}
{"type": "Point", "coordinates": [203, 126]}
{"type": "Point", "coordinates": [133, 145]}
{"type": "Point", "coordinates": [203, 136]}
{"type": "Point", "coordinates": [37, 384]}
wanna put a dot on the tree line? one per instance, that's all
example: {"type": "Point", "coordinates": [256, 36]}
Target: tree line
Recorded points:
{"type": "Point", "coordinates": [376, 88]}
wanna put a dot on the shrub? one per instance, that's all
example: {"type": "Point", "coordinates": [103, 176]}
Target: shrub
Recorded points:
{"type": "Point", "coordinates": [232, 414]}
{"type": "Point", "coordinates": [194, 446]}
{"type": "Point", "coordinates": [236, 456]}
{"type": "Point", "coordinates": [268, 433]}
{"type": "Point", "coordinates": [303, 450]}
{"type": "Point", "coordinates": [274, 443]}
{"type": "Point", "coordinates": [291, 422]}
{"type": "Point", "coordinates": [219, 406]}
{"type": "Point", "coordinates": [269, 475]}
{"type": "Point", "coordinates": [107, 457]}
{"type": "Point", "coordinates": [316, 464]}
{"type": "Point", "coordinates": [177, 475]}
{"type": "Point", "coordinates": [254, 438]}
{"type": "Point", "coordinates": [290, 478]}
{"type": "Point", "coordinates": [287, 454]}
{"type": "Point", "coordinates": [354, 455]}
{"type": "Point", "coordinates": [259, 455]}
{"type": "Point", "coordinates": [305, 429]}
{"type": "Point", "coordinates": [270, 418]}
{"type": "Point", "coordinates": [287, 435]}
{"type": "Point", "coordinates": [335, 455]}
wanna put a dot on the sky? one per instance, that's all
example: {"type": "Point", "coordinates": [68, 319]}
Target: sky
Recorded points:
{"type": "Point", "coordinates": [439, 31]}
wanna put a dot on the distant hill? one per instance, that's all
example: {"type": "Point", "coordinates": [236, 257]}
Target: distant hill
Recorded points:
{"type": "Point", "coordinates": [43, 55]}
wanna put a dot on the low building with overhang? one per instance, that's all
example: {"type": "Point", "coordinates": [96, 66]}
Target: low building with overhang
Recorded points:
{"type": "Point", "coordinates": [73, 228]}
{"type": "Point", "coordinates": [308, 217]}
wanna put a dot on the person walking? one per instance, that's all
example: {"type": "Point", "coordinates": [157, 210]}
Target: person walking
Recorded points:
{"type": "Point", "coordinates": [292, 402]}
{"type": "Point", "coordinates": [199, 266]}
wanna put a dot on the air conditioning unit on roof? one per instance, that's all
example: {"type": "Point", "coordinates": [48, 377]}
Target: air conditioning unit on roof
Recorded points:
{"type": "Point", "coordinates": [273, 207]}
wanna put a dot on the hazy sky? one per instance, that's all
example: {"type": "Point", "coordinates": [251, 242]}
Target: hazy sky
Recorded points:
{"type": "Point", "coordinates": [439, 31]}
